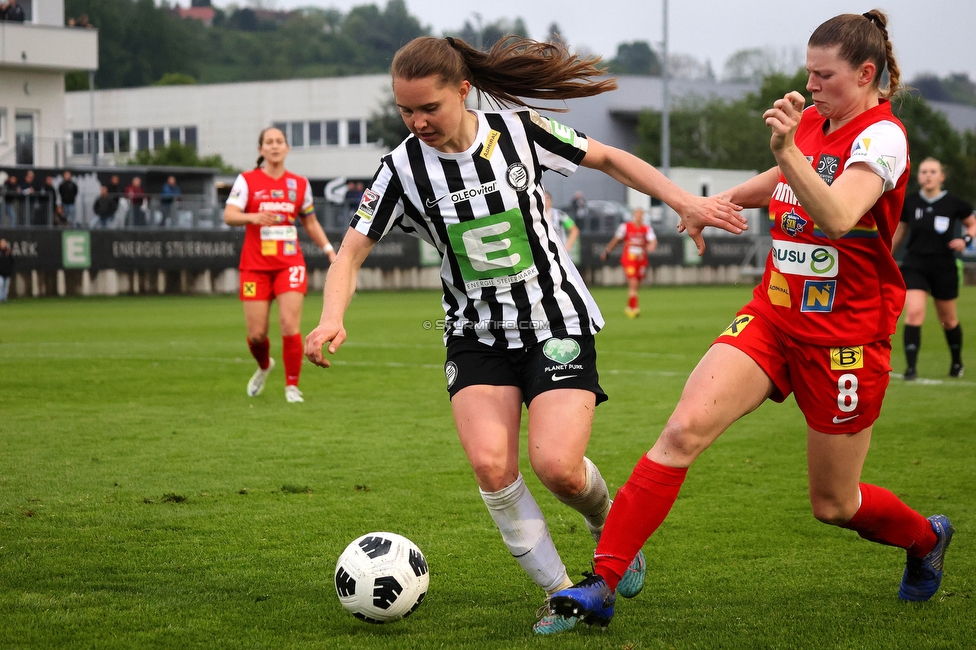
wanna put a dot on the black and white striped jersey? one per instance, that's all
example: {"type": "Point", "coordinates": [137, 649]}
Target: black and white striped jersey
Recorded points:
{"type": "Point", "coordinates": [507, 278]}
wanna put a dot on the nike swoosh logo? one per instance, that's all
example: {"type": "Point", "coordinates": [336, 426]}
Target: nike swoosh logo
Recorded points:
{"type": "Point", "coordinates": [561, 377]}
{"type": "Point", "coordinates": [431, 204]}
{"type": "Point", "coordinates": [838, 420]}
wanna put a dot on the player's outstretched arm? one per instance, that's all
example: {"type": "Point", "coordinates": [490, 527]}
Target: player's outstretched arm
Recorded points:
{"type": "Point", "coordinates": [695, 212]}
{"type": "Point", "coordinates": [340, 285]}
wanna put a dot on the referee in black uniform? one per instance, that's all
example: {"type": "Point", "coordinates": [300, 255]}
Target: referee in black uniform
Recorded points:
{"type": "Point", "coordinates": [931, 219]}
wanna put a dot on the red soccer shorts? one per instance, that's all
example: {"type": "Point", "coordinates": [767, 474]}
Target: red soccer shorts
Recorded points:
{"type": "Point", "coordinates": [631, 270]}
{"type": "Point", "coordinates": [265, 285]}
{"type": "Point", "coordinates": [838, 389]}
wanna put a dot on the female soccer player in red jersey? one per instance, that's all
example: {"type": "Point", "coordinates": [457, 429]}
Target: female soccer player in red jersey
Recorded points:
{"type": "Point", "coordinates": [639, 241]}
{"type": "Point", "coordinates": [268, 201]}
{"type": "Point", "coordinates": [819, 325]}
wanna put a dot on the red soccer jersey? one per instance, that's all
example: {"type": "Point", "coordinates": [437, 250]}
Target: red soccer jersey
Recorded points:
{"type": "Point", "coordinates": [268, 248]}
{"type": "Point", "coordinates": [635, 239]}
{"type": "Point", "coordinates": [847, 291]}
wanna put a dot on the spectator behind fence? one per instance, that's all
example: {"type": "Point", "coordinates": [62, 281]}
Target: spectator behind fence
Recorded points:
{"type": "Point", "coordinates": [25, 202]}
{"type": "Point", "coordinates": [169, 199]}
{"type": "Point", "coordinates": [6, 268]}
{"type": "Point", "coordinates": [68, 190]}
{"type": "Point", "coordinates": [115, 190]}
{"type": "Point", "coordinates": [10, 198]}
{"type": "Point", "coordinates": [12, 12]}
{"type": "Point", "coordinates": [136, 197]}
{"type": "Point", "coordinates": [104, 208]}
{"type": "Point", "coordinates": [46, 200]}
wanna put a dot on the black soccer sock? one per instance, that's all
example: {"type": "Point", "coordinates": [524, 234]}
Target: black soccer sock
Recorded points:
{"type": "Point", "coordinates": [913, 341]}
{"type": "Point", "coordinates": [954, 339]}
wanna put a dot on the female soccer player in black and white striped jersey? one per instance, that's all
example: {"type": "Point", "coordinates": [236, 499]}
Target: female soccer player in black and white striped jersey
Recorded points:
{"type": "Point", "coordinates": [519, 322]}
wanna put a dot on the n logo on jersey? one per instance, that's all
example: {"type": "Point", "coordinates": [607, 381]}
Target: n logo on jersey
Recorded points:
{"type": "Point", "coordinates": [847, 358]}
{"type": "Point", "coordinates": [367, 205]}
{"type": "Point", "coordinates": [818, 295]}
{"type": "Point", "coordinates": [737, 325]}
{"type": "Point", "coordinates": [827, 168]}
{"type": "Point", "coordinates": [793, 223]}
{"type": "Point", "coordinates": [250, 289]}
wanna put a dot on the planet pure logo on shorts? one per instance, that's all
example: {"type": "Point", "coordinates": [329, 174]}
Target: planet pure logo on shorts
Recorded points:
{"type": "Point", "coordinates": [562, 351]}
{"type": "Point", "coordinates": [451, 372]}
{"type": "Point", "coordinates": [805, 259]}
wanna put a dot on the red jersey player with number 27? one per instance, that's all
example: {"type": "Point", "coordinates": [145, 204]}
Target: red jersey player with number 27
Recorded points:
{"type": "Point", "coordinates": [818, 326]}
{"type": "Point", "coordinates": [269, 201]}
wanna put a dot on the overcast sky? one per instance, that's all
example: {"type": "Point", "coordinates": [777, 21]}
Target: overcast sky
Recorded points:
{"type": "Point", "coordinates": [928, 35]}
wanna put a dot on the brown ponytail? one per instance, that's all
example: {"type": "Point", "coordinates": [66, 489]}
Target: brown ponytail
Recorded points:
{"type": "Point", "coordinates": [515, 67]}
{"type": "Point", "coordinates": [862, 37]}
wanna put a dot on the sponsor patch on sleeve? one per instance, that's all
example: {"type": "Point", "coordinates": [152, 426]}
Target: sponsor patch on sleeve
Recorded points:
{"type": "Point", "coordinates": [737, 325]}
{"type": "Point", "coordinates": [367, 205]}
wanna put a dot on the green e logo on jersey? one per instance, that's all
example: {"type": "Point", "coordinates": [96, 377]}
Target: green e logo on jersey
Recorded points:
{"type": "Point", "coordinates": [564, 133]}
{"type": "Point", "coordinates": [493, 250]}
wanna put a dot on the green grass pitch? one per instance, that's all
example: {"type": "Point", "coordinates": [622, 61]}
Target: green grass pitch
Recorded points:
{"type": "Point", "coordinates": [146, 502]}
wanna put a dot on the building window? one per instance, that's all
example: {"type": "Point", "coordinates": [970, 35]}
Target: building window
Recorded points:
{"type": "Point", "coordinates": [355, 132]}
{"type": "Point", "coordinates": [315, 134]}
{"type": "Point", "coordinates": [332, 132]}
{"type": "Point", "coordinates": [190, 136]}
{"type": "Point", "coordinates": [371, 136]}
{"type": "Point", "coordinates": [281, 126]}
{"type": "Point", "coordinates": [124, 141]}
{"type": "Point", "coordinates": [298, 134]}
{"type": "Point", "coordinates": [174, 135]}
{"type": "Point", "coordinates": [78, 143]}
{"type": "Point", "coordinates": [142, 139]}
{"type": "Point", "coordinates": [108, 139]}
{"type": "Point", "coordinates": [159, 138]}
{"type": "Point", "coordinates": [3, 124]}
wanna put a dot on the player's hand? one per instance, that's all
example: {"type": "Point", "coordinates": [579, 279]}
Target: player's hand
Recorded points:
{"type": "Point", "coordinates": [783, 118]}
{"type": "Point", "coordinates": [603, 256]}
{"type": "Point", "coordinates": [700, 212]}
{"type": "Point", "coordinates": [264, 218]}
{"type": "Point", "coordinates": [334, 335]}
{"type": "Point", "coordinates": [957, 245]}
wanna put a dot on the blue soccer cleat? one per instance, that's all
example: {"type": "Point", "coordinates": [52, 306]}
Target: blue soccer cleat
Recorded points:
{"type": "Point", "coordinates": [591, 601]}
{"type": "Point", "coordinates": [633, 581]}
{"type": "Point", "coordinates": [924, 574]}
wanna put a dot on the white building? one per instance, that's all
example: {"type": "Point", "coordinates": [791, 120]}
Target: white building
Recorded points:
{"type": "Point", "coordinates": [326, 120]}
{"type": "Point", "coordinates": [34, 57]}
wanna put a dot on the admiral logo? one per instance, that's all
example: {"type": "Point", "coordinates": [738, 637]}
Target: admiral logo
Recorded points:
{"type": "Point", "coordinates": [779, 290]}
{"type": "Point", "coordinates": [827, 168]}
{"type": "Point", "coordinates": [818, 296]}
{"type": "Point", "coordinates": [737, 325]}
{"type": "Point", "coordinates": [367, 205]}
{"type": "Point", "coordinates": [792, 258]}
{"type": "Point", "coordinates": [793, 223]}
{"type": "Point", "coordinates": [277, 194]}
{"type": "Point", "coordinates": [517, 177]}
{"type": "Point", "coordinates": [277, 207]}
{"type": "Point", "coordinates": [490, 143]}
{"type": "Point", "coordinates": [847, 358]}
{"type": "Point", "coordinates": [784, 194]}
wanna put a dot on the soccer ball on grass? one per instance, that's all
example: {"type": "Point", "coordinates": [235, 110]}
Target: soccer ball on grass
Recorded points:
{"type": "Point", "coordinates": [381, 577]}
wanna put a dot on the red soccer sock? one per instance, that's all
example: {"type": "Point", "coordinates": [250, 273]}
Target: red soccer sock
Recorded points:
{"type": "Point", "coordinates": [260, 352]}
{"type": "Point", "coordinates": [291, 354]}
{"type": "Point", "coordinates": [640, 506]}
{"type": "Point", "coordinates": [632, 302]}
{"type": "Point", "coordinates": [884, 518]}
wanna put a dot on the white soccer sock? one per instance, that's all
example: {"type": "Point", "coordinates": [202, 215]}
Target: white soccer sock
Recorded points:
{"type": "Point", "coordinates": [525, 533]}
{"type": "Point", "coordinates": [593, 501]}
